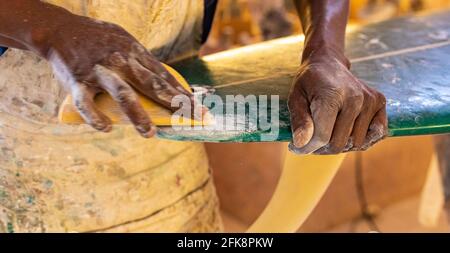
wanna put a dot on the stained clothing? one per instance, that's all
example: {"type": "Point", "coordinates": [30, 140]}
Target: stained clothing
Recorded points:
{"type": "Point", "coordinates": [171, 29]}
{"type": "Point", "coordinates": [60, 178]}
{"type": "Point", "coordinates": [210, 9]}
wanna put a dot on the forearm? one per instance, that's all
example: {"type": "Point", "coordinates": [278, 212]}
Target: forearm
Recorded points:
{"type": "Point", "coordinates": [27, 24]}
{"type": "Point", "coordinates": [324, 23]}
{"type": "Point", "coordinates": [7, 42]}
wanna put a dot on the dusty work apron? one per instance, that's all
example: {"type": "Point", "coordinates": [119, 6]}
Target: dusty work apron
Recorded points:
{"type": "Point", "coordinates": [67, 178]}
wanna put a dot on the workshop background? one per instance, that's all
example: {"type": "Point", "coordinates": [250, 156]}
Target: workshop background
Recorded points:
{"type": "Point", "coordinates": [394, 187]}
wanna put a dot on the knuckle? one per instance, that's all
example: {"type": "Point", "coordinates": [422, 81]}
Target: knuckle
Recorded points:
{"type": "Point", "coordinates": [80, 105]}
{"type": "Point", "coordinates": [356, 100]}
{"type": "Point", "coordinates": [354, 92]}
{"type": "Point", "coordinates": [336, 93]}
{"type": "Point", "coordinates": [371, 98]}
{"type": "Point", "coordinates": [377, 98]}
{"type": "Point", "coordinates": [370, 102]}
{"type": "Point", "coordinates": [125, 95]}
{"type": "Point", "coordinates": [158, 84]}
{"type": "Point", "coordinates": [139, 49]}
{"type": "Point", "coordinates": [116, 59]}
{"type": "Point", "coordinates": [381, 99]}
{"type": "Point", "coordinates": [330, 100]}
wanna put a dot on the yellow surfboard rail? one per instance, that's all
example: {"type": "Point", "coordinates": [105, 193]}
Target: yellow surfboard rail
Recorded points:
{"type": "Point", "coordinates": [303, 182]}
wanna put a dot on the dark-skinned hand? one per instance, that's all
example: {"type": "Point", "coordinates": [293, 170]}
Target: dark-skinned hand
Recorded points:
{"type": "Point", "coordinates": [91, 56]}
{"type": "Point", "coordinates": [332, 111]}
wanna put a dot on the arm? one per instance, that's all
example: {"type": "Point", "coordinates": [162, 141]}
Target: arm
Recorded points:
{"type": "Point", "coordinates": [7, 42]}
{"type": "Point", "coordinates": [324, 23]}
{"type": "Point", "coordinates": [88, 57]}
{"type": "Point", "coordinates": [331, 110]}
{"type": "Point", "coordinates": [25, 24]}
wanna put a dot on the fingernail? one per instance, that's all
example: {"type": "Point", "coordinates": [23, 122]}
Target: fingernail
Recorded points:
{"type": "Point", "coordinates": [147, 131]}
{"type": "Point", "coordinates": [301, 137]}
{"type": "Point", "coordinates": [102, 126]}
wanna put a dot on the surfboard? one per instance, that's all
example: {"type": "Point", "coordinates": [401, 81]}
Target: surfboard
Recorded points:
{"type": "Point", "coordinates": [407, 59]}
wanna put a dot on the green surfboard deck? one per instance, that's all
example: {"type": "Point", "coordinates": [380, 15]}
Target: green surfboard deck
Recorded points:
{"type": "Point", "coordinates": [407, 59]}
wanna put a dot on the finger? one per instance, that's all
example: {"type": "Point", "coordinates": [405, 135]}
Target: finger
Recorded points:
{"type": "Point", "coordinates": [151, 78]}
{"type": "Point", "coordinates": [342, 128]}
{"type": "Point", "coordinates": [83, 99]}
{"type": "Point", "coordinates": [155, 85]}
{"type": "Point", "coordinates": [125, 96]}
{"type": "Point", "coordinates": [160, 90]}
{"type": "Point", "coordinates": [324, 115]}
{"type": "Point", "coordinates": [301, 121]}
{"type": "Point", "coordinates": [378, 129]}
{"type": "Point", "coordinates": [148, 61]}
{"type": "Point", "coordinates": [370, 108]}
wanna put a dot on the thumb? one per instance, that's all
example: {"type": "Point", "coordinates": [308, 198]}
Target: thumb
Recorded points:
{"type": "Point", "coordinates": [301, 121]}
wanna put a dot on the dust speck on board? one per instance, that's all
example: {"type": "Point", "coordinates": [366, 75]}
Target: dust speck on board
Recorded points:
{"type": "Point", "coordinates": [362, 36]}
{"type": "Point", "coordinates": [426, 102]}
{"type": "Point", "coordinates": [387, 65]}
{"type": "Point", "coordinates": [393, 103]}
{"type": "Point", "coordinates": [439, 35]}
{"type": "Point", "coordinates": [376, 42]}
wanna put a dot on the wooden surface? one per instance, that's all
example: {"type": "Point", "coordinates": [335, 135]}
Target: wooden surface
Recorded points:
{"type": "Point", "coordinates": [406, 59]}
